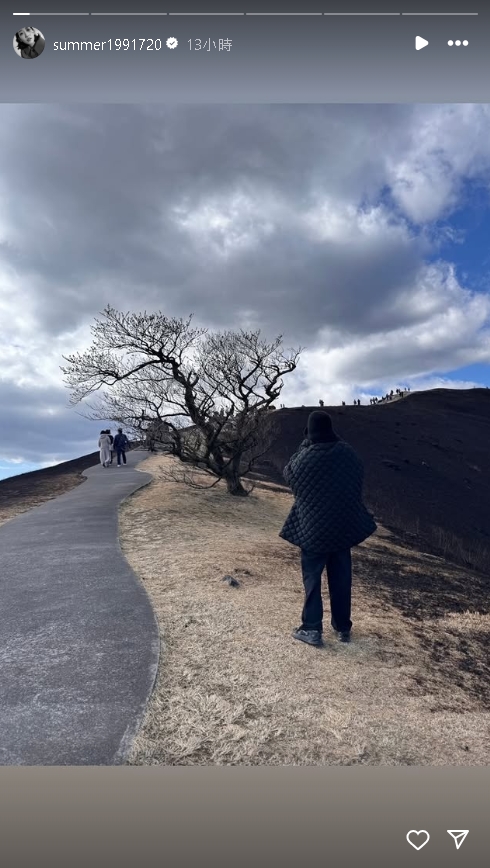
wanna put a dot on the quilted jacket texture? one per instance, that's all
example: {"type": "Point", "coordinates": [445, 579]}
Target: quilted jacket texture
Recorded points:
{"type": "Point", "coordinates": [328, 514]}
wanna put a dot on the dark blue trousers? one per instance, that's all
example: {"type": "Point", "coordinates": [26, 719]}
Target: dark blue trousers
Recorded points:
{"type": "Point", "coordinates": [121, 453]}
{"type": "Point", "coordinates": [339, 575]}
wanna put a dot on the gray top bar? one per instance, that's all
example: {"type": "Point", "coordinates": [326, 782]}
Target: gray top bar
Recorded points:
{"type": "Point", "coordinates": [279, 14]}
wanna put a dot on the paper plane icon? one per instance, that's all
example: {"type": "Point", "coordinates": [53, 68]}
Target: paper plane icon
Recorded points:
{"type": "Point", "coordinates": [459, 835]}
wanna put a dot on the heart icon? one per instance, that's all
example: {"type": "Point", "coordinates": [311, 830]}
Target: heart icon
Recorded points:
{"type": "Point", "coordinates": [413, 834]}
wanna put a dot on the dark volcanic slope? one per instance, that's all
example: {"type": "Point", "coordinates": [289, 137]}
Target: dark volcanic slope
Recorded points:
{"type": "Point", "coordinates": [426, 458]}
{"type": "Point", "coordinates": [49, 481]}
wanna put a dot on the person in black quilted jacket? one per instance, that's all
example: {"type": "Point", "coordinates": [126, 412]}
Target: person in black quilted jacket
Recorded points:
{"type": "Point", "coordinates": [327, 519]}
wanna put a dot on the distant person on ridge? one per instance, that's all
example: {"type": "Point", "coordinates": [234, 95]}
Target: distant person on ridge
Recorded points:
{"type": "Point", "coordinates": [327, 519]}
{"type": "Point", "coordinates": [105, 449]}
{"type": "Point", "coordinates": [121, 444]}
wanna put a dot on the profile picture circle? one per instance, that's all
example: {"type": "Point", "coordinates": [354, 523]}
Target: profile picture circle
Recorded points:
{"type": "Point", "coordinates": [29, 42]}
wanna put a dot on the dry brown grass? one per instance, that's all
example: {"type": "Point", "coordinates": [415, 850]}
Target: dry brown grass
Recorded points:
{"type": "Point", "coordinates": [13, 506]}
{"type": "Point", "coordinates": [19, 494]}
{"type": "Point", "coordinates": [235, 688]}
{"type": "Point", "coordinates": [13, 512]}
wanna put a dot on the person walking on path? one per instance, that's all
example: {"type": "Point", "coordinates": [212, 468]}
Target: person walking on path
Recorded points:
{"type": "Point", "coordinates": [121, 444]}
{"type": "Point", "coordinates": [105, 449]}
{"type": "Point", "coordinates": [327, 519]}
{"type": "Point", "coordinates": [111, 438]}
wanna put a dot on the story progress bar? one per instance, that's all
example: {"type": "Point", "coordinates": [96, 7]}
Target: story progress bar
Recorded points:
{"type": "Point", "coordinates": [262, 14]}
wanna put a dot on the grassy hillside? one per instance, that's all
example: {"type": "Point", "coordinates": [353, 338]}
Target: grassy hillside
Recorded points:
{"type": "Point", "coordinates": [427, 472]}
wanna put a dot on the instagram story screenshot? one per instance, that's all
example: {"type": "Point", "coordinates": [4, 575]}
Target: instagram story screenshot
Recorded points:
{"type": "Point", "coordinates": [244, 437]}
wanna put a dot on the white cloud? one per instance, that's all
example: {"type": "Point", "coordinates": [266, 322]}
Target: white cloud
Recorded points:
{"type": "Point", "coordinates": [320, 223]}
{"type": "Point", "coordinates": [449, 144]}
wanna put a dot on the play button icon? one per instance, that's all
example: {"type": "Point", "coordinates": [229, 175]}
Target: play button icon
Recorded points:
{"type": "Point", "coordinates": [420, 42]}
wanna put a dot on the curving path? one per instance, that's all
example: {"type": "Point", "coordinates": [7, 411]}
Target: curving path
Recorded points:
{"type": "Point", "coordinates": [79, 642]}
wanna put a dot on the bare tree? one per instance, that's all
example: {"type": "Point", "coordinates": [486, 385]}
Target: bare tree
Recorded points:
{"type": "Point", "coordinates": [161, 375]}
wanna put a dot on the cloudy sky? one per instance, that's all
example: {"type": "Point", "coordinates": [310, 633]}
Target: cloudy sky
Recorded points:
{"type": "Point", "coordinates": [358, 232]}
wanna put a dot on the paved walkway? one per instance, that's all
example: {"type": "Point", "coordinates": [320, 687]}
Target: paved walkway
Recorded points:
{"type": "Point", "coordinates": [79, 642]}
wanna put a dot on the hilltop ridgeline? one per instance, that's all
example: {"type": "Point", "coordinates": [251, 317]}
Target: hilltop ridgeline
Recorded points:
{"type": "Point", "coordinates": [426, 460]}
{"type": "Point", "coordinates": [427, 473]}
